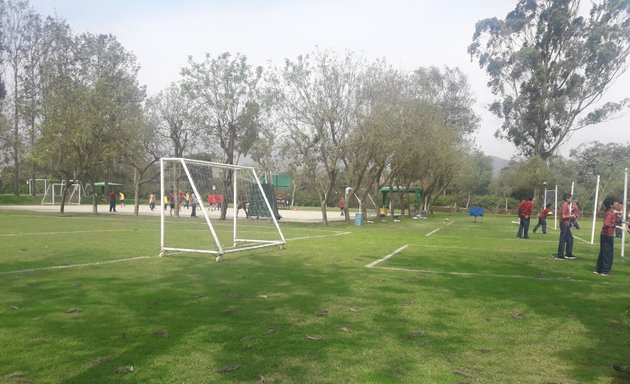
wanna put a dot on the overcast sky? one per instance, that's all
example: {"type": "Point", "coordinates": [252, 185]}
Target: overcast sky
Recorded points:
{"type": "Point", "coordinates": [408, 34]}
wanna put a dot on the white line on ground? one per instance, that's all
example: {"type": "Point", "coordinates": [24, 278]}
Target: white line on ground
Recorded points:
{"type": "Point", "coordinates": [59, 233]}
{"type": "Point", "coordinates": [432, 232]}
{"type": "Point", "coordinates": [587, 242]}
{"type": "Point", "coordinates": [315, 237]}
{"type": "Point", "coordinates": [75, 265]}
{"type": "Point", "coordinates": [491, 275]}
{"type": "Point", "coordinates": [372, 264]}
{"type": "Point", "coordinates": [450, 223]}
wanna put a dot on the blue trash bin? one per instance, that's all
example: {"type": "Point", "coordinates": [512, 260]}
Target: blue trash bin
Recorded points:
{"type": "Point", "coordinates": [358, 219]}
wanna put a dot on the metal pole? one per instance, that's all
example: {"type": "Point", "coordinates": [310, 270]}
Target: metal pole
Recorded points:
{"type": "Point", "coordinates": [625, 212]}
{"type": "Point", "coordinates": [595, 210]}
{"type": "Point", "coordinates": [555, 210]}
{"type": "Point", "coordinates": [162, 176]}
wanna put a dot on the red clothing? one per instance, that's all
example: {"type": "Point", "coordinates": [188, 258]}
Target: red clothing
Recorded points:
{"type": "Point", "coordinates": [544, 213]}
{"type": "Point", "coordinates": [112, 195]}
{"type": "Point", "coordinates": [565, 210]}
{"type": "Point", "coordinates": [525, 208]}
{"type": "Point", "coordinates": [608, 229]}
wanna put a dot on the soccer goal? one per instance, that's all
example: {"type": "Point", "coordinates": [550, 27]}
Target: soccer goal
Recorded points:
{"type": "Point", "coordinates": [54, 193]}
{"type": "Point", "coordinates": [215, 208]}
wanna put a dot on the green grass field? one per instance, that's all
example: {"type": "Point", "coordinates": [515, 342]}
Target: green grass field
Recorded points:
{"type": "Point", "coordinates": [86, 299]}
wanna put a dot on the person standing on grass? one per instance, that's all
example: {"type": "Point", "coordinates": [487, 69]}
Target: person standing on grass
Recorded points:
{"type": "Point", "coordinates": [566, 237]}
{"type": "Point", "coordinates": [152, 201]}
{"type": "Point", "coordinates": [576, 213]}
{"type": "Point", "coordinates": [112, 201]}
{"type": "Point", "coordinates": [618, 211]}
{"type": "Point", "coordinates": [542, 219]}
{"type": "Point", "coordinates": [607, 238]}
{"type": "Point", "coordinates": [525, 209]}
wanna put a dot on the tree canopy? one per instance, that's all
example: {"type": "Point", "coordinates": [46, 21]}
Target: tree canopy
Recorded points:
{"type": "Point", "coordinates": [550, 66]}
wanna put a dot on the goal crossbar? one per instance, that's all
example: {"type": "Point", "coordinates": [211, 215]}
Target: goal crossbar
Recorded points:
{"type": "Point", "coordinates": [238, 243]}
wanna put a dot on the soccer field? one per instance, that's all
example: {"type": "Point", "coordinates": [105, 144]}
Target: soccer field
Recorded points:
{"type": "Point", "coordinates": [87, 299]}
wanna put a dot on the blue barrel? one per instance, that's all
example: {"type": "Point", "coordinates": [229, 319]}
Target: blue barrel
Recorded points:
{"type": "Point", "coordinates": [358, 219]}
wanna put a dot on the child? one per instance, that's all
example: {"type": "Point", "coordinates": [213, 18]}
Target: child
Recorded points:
{"type": "Point", "coordinates": [576, 213]}
{"type": "Point", "coordinates": [542, 219]}
{"type": "Point", "coordinates": [606, 239]}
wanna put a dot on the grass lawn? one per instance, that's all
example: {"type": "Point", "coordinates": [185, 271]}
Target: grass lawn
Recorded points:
{"type": "Point", "coordinates": [86, 299]}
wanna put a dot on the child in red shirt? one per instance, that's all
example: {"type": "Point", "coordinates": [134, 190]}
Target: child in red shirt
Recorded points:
{"type": "Point", "coordinates": [542, 219]}
{"type": "Point", "coordinates": [606, 239]}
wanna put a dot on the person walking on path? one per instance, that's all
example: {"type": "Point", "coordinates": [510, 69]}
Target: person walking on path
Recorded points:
{"type": "Point", "coordinates": [525, 209]}
{"type": "Point", "coordinates": [342, 206]}
{"type": "Point", "coordinates": [112, 201]}
{"type": "Point", "coordinates": [122, 199]}
{"type": "Point", "coordinates": [542, 219]}
{"type": "Point", "coordinates": [152, 201]}
{"type": "Point", "coordinates": [565, 244]}
{"type": "Point", "coordinates": [607, 239]}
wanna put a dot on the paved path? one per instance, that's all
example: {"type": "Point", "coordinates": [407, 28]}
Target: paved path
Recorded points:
{"type": "Point", "coordinates": [287, 215]}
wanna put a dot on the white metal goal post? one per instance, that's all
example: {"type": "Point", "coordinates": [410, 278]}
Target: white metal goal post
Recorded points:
{"type": "Point", "coordinates": [193, 194]}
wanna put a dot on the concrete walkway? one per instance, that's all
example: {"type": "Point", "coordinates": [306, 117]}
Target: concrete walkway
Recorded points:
{"type": "Point", "coordinates": [295, 215]}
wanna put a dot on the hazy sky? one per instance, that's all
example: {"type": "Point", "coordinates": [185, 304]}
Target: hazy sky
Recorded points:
{"type": "Point", "coordinates": [409, 34]}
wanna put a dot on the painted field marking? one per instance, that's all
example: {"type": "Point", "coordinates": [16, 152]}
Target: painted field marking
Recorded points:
{"type": "Point", "coordinates": [433, 231]}
{"type": "Point", "coordinates": [318, 236]}
{"type": "Point", "coordinates": [372, 264]}
{"type": "Point", "coordinates": [587, 242]}
{"type": "Point", "coordinates": [76, 265]}
{"type": "Point", "coordinates": [59, 233]}
{"type": "Point", "coordinates": [492, 275]}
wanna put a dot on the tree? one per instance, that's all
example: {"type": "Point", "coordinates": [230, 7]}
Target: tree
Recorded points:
{"type": "Point", "coordinates": [224, 94]}
{"type": "Point", "coordinates": [320, 107]}
{"type": "Point", "coordinates": [474, 175]}
{"type": "Point", "coordinates": [92, 109]}
{"type": "Point", "coordinates": [169, 114]}
{"type": "Point", "coordinates": [550, 67]}
{"type": "Point", "coordinates": [606, 160]}
{"type": "Point", "coordinates": [18, 23]}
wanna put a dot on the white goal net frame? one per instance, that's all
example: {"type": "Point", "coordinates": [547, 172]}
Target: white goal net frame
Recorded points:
{"type": "Point", "coordinates": [185, 184]}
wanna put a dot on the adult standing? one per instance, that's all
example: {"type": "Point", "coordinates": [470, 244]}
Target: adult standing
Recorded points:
{"type": "Point", "coordinates": [607, 239]}
{"type": "Point", "coordinates": [112, 201]}
{"type": "Point", "coordinates": [525, 209]}
{"type": "Point", "coordinates": [542, 219]}
{"type": "Point", "coordinates": [565, 245]}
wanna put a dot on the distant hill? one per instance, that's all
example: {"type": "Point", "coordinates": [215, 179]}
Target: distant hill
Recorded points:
{"type": "Point", "coordinates": [497, 165]}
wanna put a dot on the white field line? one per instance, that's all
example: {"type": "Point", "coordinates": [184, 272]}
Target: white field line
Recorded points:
{"type": "Point", "coordinates": [587, 242]}
{"type": "Point", "coordinates": [317, 236]}
{"type": "Point", "coordinates": [76, 265]}
{"type": "Point", "coordinates": [372, 264]}
{"type": "Point", "coordinates": [437, 229]}
{"type": "Point", "coordinates": [493, 275]}
{"type": "Point", "coordinates": [433, 231]}
{"type": "Point", "coordinates": [59, 233]}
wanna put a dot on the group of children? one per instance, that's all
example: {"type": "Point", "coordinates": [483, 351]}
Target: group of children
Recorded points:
{"type": "Point", "coordinates": [569, 212]}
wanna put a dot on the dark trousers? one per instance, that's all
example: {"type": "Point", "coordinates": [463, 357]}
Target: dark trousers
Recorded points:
{"type": "Point", "coordinates": [605, 258]}
{"type": "Point", "coordinates": [112, 205]}
{"type": "Point", "coordinates": [541, 223]}
{"type": "Point", "coordinates": [523, 227]}
{"type": "Point", "coordinates": [566, 241]}
{"type": "Point", "coordinates": [194, 210]}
